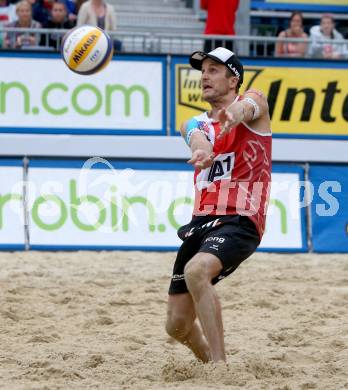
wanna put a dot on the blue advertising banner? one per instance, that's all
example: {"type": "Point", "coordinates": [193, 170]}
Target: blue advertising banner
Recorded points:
{"type": "Point", "coordinates": [329, 208]}
{"type": "Point", "coordinates": [302, 5]}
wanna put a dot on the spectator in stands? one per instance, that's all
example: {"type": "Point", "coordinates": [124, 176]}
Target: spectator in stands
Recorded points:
{"type": "Point", "coordinates": [295, 30]}
{"type": "Point", "coordinates": [42, 10]}
{"type": "Point", "coordinates": [78, 4]}
{"type": "Point", "coordinates": [326, 31]}
{"type": "Point", "coordinates": [39, 11]}
{"type": "Point", "coordinates": [58, 20]}
{"type": "Point", "coordinates": [98, 13]}
{"type": "Point", "coordinates": [7, 15]}
{"type": "Point", "coordinates": [221, 16]}
{"type": "Point", "coordinates": [7, 12]}
{"type": "Point", "coordinates": [72, 10]}
{"type": "Point", "coordinates": [25, 20]}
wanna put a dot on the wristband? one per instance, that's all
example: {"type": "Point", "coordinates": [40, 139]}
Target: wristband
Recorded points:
{"type": "Point", "coordinates": [191, 128]}
{"type": "Point", "coordinates": [255, 106]}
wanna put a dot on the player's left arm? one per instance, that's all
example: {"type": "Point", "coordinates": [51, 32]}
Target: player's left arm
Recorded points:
{"type": "Point", "coordinates": [251, 109]}
{"type": "Point", "coordinates": [255, 105]}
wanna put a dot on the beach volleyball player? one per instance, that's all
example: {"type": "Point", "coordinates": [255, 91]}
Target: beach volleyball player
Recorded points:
{"type": "Point", "coordinates": [231, 154]}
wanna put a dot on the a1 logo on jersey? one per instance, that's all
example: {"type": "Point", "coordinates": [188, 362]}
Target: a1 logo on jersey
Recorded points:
{"type": "Point", "coordinates": [221, 169]}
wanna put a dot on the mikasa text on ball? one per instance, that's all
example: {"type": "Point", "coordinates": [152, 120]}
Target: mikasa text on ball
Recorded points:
{"type": "Point", "coordinates": [87, 49]}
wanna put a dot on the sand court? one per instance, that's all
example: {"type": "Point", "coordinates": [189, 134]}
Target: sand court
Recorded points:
{"type": "Point", "coordinates": [95, 320]}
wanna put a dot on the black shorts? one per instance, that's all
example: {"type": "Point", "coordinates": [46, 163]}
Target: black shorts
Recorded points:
{"type": "Point", "coordinates": [232, 238]}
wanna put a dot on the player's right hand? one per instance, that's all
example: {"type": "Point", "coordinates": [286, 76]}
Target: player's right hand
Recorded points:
{"type": "Point", "coordinates": [202, 159]}
{"type": "Point", "coordinates": [229, 118]}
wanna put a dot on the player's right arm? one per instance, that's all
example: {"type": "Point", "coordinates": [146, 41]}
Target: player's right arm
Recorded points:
{"type": "Point", "coordinates": [201, 147]}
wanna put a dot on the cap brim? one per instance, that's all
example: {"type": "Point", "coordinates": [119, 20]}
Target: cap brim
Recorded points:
{"type": "Point", "coordinates": [197, 58]}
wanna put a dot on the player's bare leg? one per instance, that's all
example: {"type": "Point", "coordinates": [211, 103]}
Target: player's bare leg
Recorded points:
{"type": "Point", "coordinates": [183, 326]}
{"type": "Point", "coordinates": [199, 272]}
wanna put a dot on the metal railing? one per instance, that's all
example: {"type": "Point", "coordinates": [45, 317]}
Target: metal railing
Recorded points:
{"type": "Point", "coordinates": [152, 43]}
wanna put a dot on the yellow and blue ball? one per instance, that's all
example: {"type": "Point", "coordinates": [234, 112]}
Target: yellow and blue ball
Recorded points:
{"type": "Point", "coordinates": [87, 49]}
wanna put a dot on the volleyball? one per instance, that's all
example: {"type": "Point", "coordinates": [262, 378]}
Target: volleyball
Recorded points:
{"type": "Point", "coordinates": [87, 49]}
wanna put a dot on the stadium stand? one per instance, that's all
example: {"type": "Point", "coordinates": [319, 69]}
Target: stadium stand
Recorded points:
{"type": "Point", "coordinates": [177, 26]}
{"type": "Point", "coordinates": [164, 18]}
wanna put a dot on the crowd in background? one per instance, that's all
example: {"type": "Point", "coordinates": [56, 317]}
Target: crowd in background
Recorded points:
{"type": "Point", "coordinates": [221, 16]}
{"type": "Point", "coordinates": [320, 37]}
{"type": "Point", "coordinates": [52, 14]}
